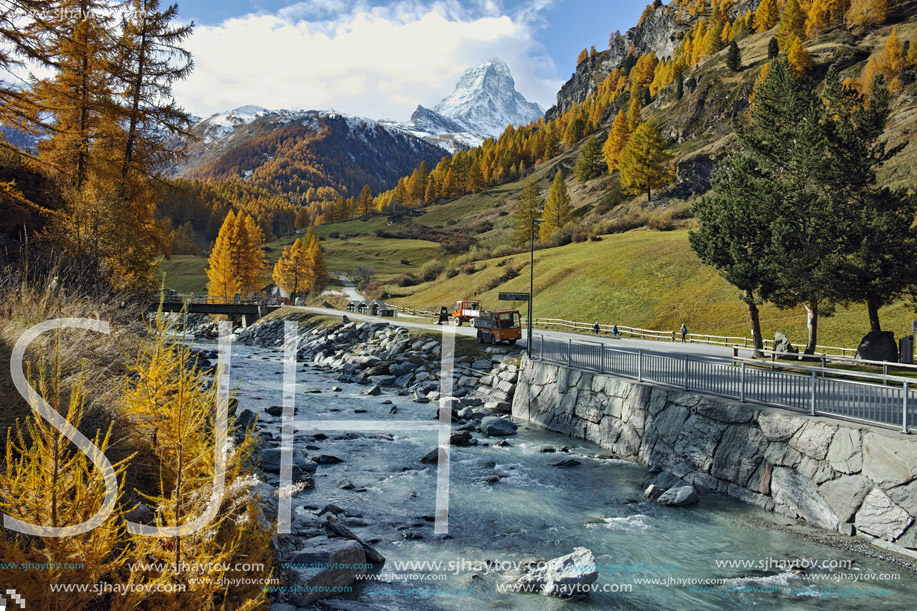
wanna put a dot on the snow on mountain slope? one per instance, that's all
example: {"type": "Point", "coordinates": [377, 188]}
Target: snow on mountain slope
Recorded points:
{"type": "Point", "coordinates": [485, 100]}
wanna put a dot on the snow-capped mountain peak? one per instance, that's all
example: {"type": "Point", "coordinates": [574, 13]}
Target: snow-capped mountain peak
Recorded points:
{"type": "Point", "coordinates": [485, 100]}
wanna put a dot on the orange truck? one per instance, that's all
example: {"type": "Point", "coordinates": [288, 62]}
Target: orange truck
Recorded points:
{"type": "Point", "coordinates": [466, 311]}
{"type": "Point", "coordinates": [499, 326]}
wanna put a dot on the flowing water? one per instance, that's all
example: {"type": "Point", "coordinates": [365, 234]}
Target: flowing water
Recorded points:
{"type": "Point", "coordinates": [537, 510]}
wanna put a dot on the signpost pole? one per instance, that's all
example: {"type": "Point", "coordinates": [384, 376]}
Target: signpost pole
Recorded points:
{"type": "Point", "coordinates": [528, 343]}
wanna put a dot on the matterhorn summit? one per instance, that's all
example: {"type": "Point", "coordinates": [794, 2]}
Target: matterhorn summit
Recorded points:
{"type": "Point", "coordinates": [485, 100]}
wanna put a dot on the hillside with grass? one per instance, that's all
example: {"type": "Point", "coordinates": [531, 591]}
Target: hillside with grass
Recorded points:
{"type": "Point", "coordinates": [622, 259]}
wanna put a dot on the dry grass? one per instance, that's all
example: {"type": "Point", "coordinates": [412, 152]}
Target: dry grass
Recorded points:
{"type": "Point", "coordinates": [37, 288]}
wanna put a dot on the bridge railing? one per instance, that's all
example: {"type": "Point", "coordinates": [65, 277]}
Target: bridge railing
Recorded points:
{"type": "Point", "coordinates": [219, 300]}
{"type": "Point", "coordinates": [879, 399]}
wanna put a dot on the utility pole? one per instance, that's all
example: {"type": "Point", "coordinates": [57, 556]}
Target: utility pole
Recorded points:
{"type": "Point", "coordinates": [535, 223]}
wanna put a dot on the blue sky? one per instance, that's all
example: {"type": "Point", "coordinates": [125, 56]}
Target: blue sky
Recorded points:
{"type": "Point", "coordinates": [381, 59]}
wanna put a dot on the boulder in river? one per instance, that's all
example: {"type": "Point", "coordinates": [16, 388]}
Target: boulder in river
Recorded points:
{"type": "Point", "coordinates": [494, 426]}
{"type": "Point", "coordinates": [328, 459]}
{"type": "Point", "coordinates": [373, 391]}
{"type": "Point", "coordinates": [681, 495]}
{"type": "Point", "coordinates": [565, 577]}
{"type": "Point", "coordinates": [432, 458]}
{"type": "Point", "coordinates": [462, 439]}
{"type": "Point", "coordinates": [567, 463]}
{"type": "Point", "coordinates": [310, 584]}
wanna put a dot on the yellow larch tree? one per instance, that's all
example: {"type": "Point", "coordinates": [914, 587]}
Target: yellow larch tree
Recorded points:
{"type": "Point", "coordinates": [766, 16]}
{"type": "Point", "coordinates": [291, 273]}
{"type": "Point", "coordinates": [799, 58]}
{"type": "Point", "coordinates": [866, 12]}
{"type": "Point", "coordinates": [617, 138]}
{"type": "Point", "coordinates": [48, 482]}
{"type": "Point", "coordinates": [223, 280]}
{"type": "Point", "coordinates": [644, 163]}
{"type": "Point", "coordinates": [792, 24]}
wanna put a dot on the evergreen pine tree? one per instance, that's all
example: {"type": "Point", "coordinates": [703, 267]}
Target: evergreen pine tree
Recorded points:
{"type": "Point", "coordinates": [558, 209]}
{"type": "Point", "coordinates": [734, 57]}
{"type": "Point", "coordinates": [591, 163]}
{"type": "Point", "coordinates": [680, 87]}
{"type": "Point", "coordinates": [528, 210]}
{"type": "Point", "coordinates": [773, 48]}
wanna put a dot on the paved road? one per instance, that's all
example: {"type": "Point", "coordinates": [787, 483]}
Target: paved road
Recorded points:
{"type": "Point", "coordinates": [710, 370]}
{"type": "Point", "coordinates": [700, 350]}
{"type": "Point", "coordinates": [349, 288]}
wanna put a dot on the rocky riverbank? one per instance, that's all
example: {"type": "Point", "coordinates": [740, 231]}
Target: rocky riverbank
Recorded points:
{"type": "Point", "coordinates": [853, 479]}
{"type": "Point", "coordinates": [386, 360]}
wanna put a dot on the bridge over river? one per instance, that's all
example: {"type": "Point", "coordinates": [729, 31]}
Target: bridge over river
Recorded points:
{"type": "Point", "coordinates": [248, 310]}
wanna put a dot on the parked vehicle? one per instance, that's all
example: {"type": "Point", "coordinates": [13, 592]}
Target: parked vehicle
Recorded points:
{"type": "Point", "coordinates": [499, 326]}
{"type": "Point", "coordinates": [466, 311]}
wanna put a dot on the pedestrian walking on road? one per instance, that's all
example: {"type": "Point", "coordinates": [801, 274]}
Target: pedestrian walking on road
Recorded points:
{"type": "Point", "coordinates": [443, 315]}
{"type": "Point", "coordinates": [596, 328]}
{"type": "Point", "coordinates": [614, 331]}
{"type": "Point", "coordinates": [684, 333]}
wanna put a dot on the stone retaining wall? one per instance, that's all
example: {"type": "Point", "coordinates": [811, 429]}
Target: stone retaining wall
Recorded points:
{"type": "Point", "coordinates": [852, 478]}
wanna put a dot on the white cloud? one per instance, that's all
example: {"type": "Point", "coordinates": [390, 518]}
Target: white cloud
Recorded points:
{"type": "Point", "coordinates": [369, 61]}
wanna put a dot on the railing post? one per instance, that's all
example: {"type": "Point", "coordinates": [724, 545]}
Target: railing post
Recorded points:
{"type": "Point", "coordinates": [687, 385]}
{"type": "Point", "coordinates": [570, 352]}
{"type": "Point", "coordinates": [541, 346]}
{"type": "Point", "coordinates": [602, 358]}
{"type": "Point", "coordinates": [640, 364]}
{"type": "Point", "coordinates": [812, 398]}
{"type": "Point", "coordinates": [904, 423]}
{"type": "Point", "coordinates": [742, 384]}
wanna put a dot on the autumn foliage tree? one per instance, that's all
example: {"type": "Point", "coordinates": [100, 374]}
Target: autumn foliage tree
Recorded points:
{"type": "Point", "coordinates": [799, 58]}
{"type": "Point", "coordinates": [644, 163]}
{"type": "Point", "coordinates": [49, 483]}
{"type": "Point", "coordinates": [617, 138]}
{"type": "Point", "coordinates": [237, 259]}
{"type": "Point", "coordinates": [174, 418]}
{"type": "Point", "coordinates": [301, 267]}
{"type": "Point", "coordinates": [558, 209]}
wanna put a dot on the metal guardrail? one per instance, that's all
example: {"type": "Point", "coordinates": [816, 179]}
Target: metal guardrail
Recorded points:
{"type": "Point", "coordinates": [883, 400]}
{"type": "Point", "coordinates": [672, 336]}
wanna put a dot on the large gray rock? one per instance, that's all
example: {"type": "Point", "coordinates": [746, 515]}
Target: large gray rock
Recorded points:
{"type": "Point", "coordinates": [889, 459]}
{"type": "Point", "coordinates": [778, 425]}
{"type": "Point", "coordinates": [676, 497]}
{"type": "Point", "coordinates": [310, 584]}
{"type": "Point", "coordinates": [880, 517]}
{"type": "Point", "coordinates": [302, 466]}
{"type": "Point", "coordinates": [562, 576]}
{"type": "Point", "coordinates": [846, 451]}
{"type": "Point", "coordinates": [738, 454]}
{"type": "Point", "coordinates": [845, 495]}
{"type": "Point", "coordinates": [797, 496]}
{"type": "Point", "coordinates": [494, 426]}
{"type": "Point", "coordinates": [813, 439]}
{"type": "Point", "coordinates": [878, 346]}
{"type": "Point", "coordinates": [782, 344]}
{"type": "Point", "coordinates": [698, 440]}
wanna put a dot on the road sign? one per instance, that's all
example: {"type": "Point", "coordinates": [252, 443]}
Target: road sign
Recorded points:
{"type": "Point", "coordinates": [514, 296]}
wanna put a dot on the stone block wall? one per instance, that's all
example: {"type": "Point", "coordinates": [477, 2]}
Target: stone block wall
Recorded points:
{"type": "Point", "coordinates": [842, 476]}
